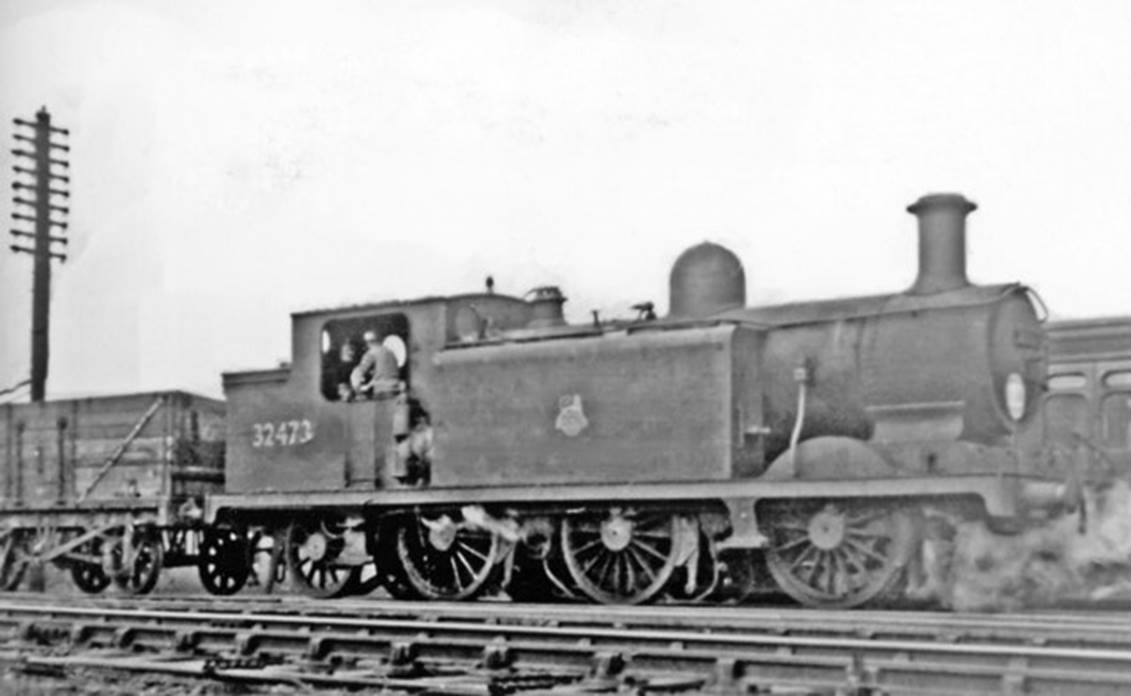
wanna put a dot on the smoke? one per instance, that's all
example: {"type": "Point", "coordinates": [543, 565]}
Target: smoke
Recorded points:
{"type": "Point", "coordinates": [1043, 566]}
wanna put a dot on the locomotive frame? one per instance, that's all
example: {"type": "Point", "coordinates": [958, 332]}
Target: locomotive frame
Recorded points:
{"type": "Point", "coordinates": [625, 460]}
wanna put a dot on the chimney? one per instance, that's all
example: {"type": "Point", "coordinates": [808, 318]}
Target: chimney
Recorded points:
{"type": "Point", "coordinates": [942, 242]}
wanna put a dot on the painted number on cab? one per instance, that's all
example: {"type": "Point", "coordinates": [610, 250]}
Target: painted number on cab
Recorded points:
{"type": "Point", "coordinates": [286, 433]}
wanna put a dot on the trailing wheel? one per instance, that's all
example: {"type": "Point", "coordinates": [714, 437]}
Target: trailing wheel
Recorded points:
{"type": "Point", "coordinates": [313, 552]}
{"type": "Point", "coordinates": [446, 558]}
{"type": "Point", "coordinates": [90, 576]}
{"type": "Point", "coordinates": [140, 559]}
{"type": "Point", "coordinates": [225, 560]}
{"type": "Point", "coordinates": [838, 553]}
{"type": "Point", "coordinates": [621, 556]}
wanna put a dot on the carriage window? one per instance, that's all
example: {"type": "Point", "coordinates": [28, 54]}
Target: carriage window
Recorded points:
{"type": "Point", "coordinates": [1118, 379]}
{"type": "Point", "coordinates": [1066, 415]}
{"type": "Point", "coordinates": [1067, 382]}
{"type": "Point", "coordinates": [364, 358]}
{"type": "Point", "coordinates": [1116, 420]}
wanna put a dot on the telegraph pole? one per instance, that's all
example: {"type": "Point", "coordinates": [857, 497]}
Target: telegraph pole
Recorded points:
{"type": "Point", "coordinates": [44, 183]}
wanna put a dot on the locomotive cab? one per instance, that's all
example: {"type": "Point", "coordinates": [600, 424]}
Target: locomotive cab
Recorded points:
{"type": "Point", "coordinates": [304, 427]}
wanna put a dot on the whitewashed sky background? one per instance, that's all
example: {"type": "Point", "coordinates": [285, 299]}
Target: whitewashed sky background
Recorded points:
{"type": "Point", "coordinates": [234, 161]}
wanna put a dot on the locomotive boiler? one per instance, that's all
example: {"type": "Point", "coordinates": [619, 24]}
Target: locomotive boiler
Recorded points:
{"type": "Point", "coordinates": [621, 461]}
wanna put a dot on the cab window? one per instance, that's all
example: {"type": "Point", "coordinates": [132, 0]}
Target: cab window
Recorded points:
{"type": "Point", "coordinates": [364, 358]}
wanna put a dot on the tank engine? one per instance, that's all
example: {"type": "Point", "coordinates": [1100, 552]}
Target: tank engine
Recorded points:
{"type": "Point", "coordinates": [621, 461]}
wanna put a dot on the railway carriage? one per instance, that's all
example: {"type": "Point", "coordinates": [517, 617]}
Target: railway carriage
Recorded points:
{"type": "Point", "coordinates": [110, 487]}
{"type": "Point", "coordinates": [719, 450]}
{"type": "Point", "coordinates": [1088, 408]}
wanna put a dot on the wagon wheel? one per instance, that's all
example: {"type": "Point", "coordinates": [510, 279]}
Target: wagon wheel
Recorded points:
{"type": "Point", "coordinates": [838, 554]}
{"type": "Point", "coordinates": [312, 554]}
{"type": "Point", "coordinates": [140, 576]}
{"type": "Point", "coordinates": [14, 560]}
{"type": "Point", "coordinates": [225, 561]}
{"type": "Point", "coordinates": [446, 558]}
{"type": "Point", "coordinates": [90, 577]}
{"type": "Point", "coordinates": [621, 556]}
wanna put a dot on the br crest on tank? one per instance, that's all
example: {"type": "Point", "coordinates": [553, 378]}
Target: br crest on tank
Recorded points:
{"type": "Point", "coordinates": [628, 460]}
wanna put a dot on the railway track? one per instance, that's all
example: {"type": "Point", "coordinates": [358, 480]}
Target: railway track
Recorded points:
{"type": "Point", "coordinates": [491, 648]}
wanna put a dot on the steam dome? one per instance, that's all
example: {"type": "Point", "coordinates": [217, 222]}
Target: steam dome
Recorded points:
{"type": "Point", "coordinates": [706, 279]}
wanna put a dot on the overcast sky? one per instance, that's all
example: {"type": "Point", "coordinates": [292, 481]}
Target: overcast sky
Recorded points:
{"type": "Point", "coordinates": [235, 161]}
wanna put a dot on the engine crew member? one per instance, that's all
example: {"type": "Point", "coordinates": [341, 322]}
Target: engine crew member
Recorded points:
{"type": "Point", "coordinates": [377, 375]}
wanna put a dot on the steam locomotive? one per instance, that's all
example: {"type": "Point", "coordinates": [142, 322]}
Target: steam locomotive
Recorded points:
{"type": "Point", "coordinates": [721, 450]}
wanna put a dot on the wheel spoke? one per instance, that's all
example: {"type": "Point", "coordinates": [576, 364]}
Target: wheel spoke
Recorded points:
{"type": "Point", "coordinates": [862, 549]}
{"type": "Point", "coordinates": [651, 551]}
{"type": "Point", "coordinates": [643, 565]}
{"type": "Point", "coordinates": [587, 546]}
{"type": "Point", "coordinates": [802, 556]}
{"type": "Point", "coordinates": [603, 573]}
{"type": "Point", "coordinates": [467, 547]}
{"type": "Point", "coordinates": [793, 544]}
{"type": "Point", "coordinates": [593, 561]}
{"type": "Point", "coordinates": [467, 566]}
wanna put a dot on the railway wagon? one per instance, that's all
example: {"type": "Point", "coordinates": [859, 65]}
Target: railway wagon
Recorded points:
{"type": "Point", "coordinates": [1088, 406]}
{"type": "Point", "coordinates": [720, 450]}
{"type": "Point", "coordinates": [109, 487]}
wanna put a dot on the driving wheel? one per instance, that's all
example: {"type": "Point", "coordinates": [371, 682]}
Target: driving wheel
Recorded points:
{"type": "Point", "coordinates": [838, 553]}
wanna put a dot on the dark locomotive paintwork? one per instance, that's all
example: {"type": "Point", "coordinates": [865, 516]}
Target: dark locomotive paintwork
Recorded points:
{"type": "Point", "coordinates": [659, 404]}
{"type": "Point", "coordinates": [895, 368]}
{"type": "Point", "coordinates": [350, 440]}
{"type": "Point", "coordinates": [547, 425]}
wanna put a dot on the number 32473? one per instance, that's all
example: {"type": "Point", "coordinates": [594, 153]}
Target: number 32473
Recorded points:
{"type": "Point", "coordinates": [282, 434]}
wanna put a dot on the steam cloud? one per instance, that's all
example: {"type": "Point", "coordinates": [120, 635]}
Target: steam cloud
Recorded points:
{"type": "Point", "coordinates": [1042, 566]}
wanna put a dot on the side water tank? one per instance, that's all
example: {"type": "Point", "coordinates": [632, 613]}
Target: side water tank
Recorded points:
{"type": "Point", "coordinates": [706, 279]}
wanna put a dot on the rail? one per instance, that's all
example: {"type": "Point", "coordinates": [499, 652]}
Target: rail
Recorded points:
{"type": "Point", "coordinates": [496, 648]}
